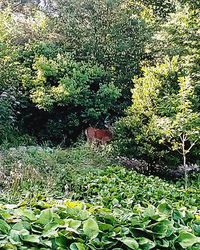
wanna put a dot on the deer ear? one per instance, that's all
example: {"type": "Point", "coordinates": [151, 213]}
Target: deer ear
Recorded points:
{"type": "Point", "coordinates": [107, 122]}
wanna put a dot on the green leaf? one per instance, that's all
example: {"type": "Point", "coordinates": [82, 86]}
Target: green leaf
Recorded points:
{"type": "Point", "coordinates": [51, 230]}
{"type": "Point", "coordinates": [75, 224]}
{"type": "Point", "coordinates": [163, 228]}
{"type": "Point", "coordinates": [51, 226]}
{"type": "Point", "coordinates": [31, 238]}
{"type": "Point", "coordinates": [27, 213]}
{"type": "Point", "coordinates": [164, 208]}
{"type": "Point", "coordinates": [77, 246]}
{"type": "Point", "coordinates": [146, 243]}
{"type": "Point", "coordinates": [90, 228]}
{"type": "Point", "coordinates": [149, 212]}
{"type": "Point", "coordinates": [61, 241]}
{"type": "Point", "coordinates": [187, 239]}
{"type": "Point", "coordinates": [4, 227]}
{"type": "Point", "coordinates": [22, 225]}
{"type": "Point", "coordinates": [105, 227]}
{"type": "Point", "coordinates": [46, 217]}
{"type": "Point", "coordinates": [130, 242]}
{"type": "Point", "coordinates": [14, 237]}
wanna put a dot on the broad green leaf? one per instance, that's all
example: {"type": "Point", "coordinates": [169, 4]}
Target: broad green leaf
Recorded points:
{"type": "Point", "coordinates": [130, 242]}
{"type": "Point", "coordinates": [163, 228]}
{"type": "Point", "coordinates": [22, 225]}
{"type": "Point", "coordinates": [46, 217]}
{"type": "Point", "coordinates": [14, 236]}
{"type": "Point", "coordinates": [51, 226]}
{"type": "Point", "coordinates": [50, 233]}
{"type": "Point", "coordinates": [75, 224]}
{"type": "Point", "coordinates": [187, 239]}
{"type": "Point", "coordinates": [146, 243]}
{"type": "Point", "coordinates": [77, 246]}
{"type": "Point", "coordinates": [23, 232]}
{"type": "Point", "coordinates": [77, 213]}
{"type": "Point", "coordinates": [31, 238]}
{"type": "Point", "coordinates": [4, 227]}
{"type": "Point", "coordinates": [165, 208]}
{"type": "Point", "coordinates": [82, 215]}
{"type": "Point", "coordinates": [50, 230]}
{"type": "Point", "coordinates": [149, 212]}
{"type": "Point", "coordinates": [61, 241]}
{"type": "Point", "coordinates": [105, 227]}
{"type": "Point", "coordinates": [28, 213]}
{"type": "Point", "coordinates": [90, 228]}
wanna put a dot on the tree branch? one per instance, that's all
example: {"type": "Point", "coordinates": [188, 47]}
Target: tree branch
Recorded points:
{"type": "Point", "coordinates": [192, 145]}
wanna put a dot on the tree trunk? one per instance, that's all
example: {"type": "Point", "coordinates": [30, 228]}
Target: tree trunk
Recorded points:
{"type": "Point", "coordinates": [185, 170]}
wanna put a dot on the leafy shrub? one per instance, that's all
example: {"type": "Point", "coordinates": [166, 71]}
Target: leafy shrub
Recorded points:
{"type": "Point", "coordinates": [75, 225]}
{"type": "Point", "coordinates": [164, 116]}
{"type": "Point", "coordinates": [56, 95]}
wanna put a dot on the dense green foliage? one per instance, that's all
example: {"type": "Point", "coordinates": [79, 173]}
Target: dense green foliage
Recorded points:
{"type": "Point", "coordinates": [122, 209]}
{"type": "Point", "coordinates": [25, 170]}
{"type": "Point", "coordinates": [67, 172]}
{"type": "Point", "coordinates": [63, 94]}
{"type": "Point", "coordinates": [72, 64]}
{"type": "Point", "coordinates": [71, 72]}
{"type": "Point", "coordinates": [117, 187]}
{"type": "Point", "coordinates": [66, 65]}
{"type": "Point", "coordinates": [164, 110]}
{"type": "Point", "coordinates": [164, 114]}
{"type": "Point", "coordinates": [75, 225]}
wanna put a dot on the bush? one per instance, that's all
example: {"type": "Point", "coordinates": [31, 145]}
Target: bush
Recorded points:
{"type": "Point", "coordinates": [164, 116]}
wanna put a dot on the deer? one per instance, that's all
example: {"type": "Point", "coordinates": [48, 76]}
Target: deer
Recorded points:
{"type": "Point", "coordinates": [99, 136]}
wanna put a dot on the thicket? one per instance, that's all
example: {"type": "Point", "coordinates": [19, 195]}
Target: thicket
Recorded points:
{"type": "Point", "coordinates": [67, 65]}
{"type": "Point", "coordinates": [162, 124]}
{"type": "Point", "coordinates": [73, 63]}
{"type": "Point", "coordinates": [33, 169]}
{"type": "Point", "coordinates": [71, 70]}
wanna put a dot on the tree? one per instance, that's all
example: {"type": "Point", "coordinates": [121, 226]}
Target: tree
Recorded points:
{"type": "Point", "coordinates": [182, 131]}
{"type": "Point", "coordinates": [156, 90]}
{"type": "Point", "coordinates": [64, 82]}
{"type": "Point", "coordinates": [179, 36]}
{"type": "Point", "coordinates": [19, 28]}
{"type": "Point", "coordinates": [164, 116]}
{"type": "Point", "coordinates": [111, 33]}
